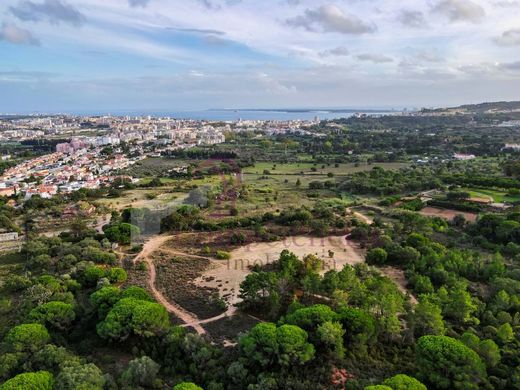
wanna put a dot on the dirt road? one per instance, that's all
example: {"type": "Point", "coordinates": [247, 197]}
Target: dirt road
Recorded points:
{"type": "Point", "coordinates": [149, 247]}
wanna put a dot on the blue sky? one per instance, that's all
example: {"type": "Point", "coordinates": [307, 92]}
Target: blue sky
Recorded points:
{"type": "Point", "coordinates": [72, 55]}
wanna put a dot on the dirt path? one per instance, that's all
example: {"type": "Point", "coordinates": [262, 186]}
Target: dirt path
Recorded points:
{"type": "Point", "coordinates": [187, 317]}
{"type": "Point", "coordinates": [362, 217]}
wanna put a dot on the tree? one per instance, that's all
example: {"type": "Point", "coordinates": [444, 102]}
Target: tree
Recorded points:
{"type": "Point", "coordinates": [187, 386]}
{"type": "Point", "coordinates": [55, 313]}
{"type": "Point", "coordinates": [427, 319]}
{"type": "Point", "coordinates": [360, 326]}
{"type": "Point", "coordinates": [293, 348]}
{"type": "Point", "coordinates": [446, 363]}
{"type": "Point", "coordinates": [489, 352]}
{"type": "Point", "coordinates": [27, 338]}
{"type": "Point", "coordinates": [404, 382]}
{"type": "Point", "coordinates": [259, 291]}
{"type": "Point", "coordinates": [376, 256]}
{"type": "Point", "coordinates": [137, 293]}
{"type": "Point", "coordinates": [116, 275]}
{"type": "Point", "coordinates": [134, 316]}
{"type": "Point", "coordinates": [53, 359]}
{"type": "Point", "coordinates": [459, 305]}
{"type": "Point", "coordinates": [41, 380]}
{"type": "Point", "coordinates": [104, 298]}
{"type": "Point", "coordinates": [505, 333]}
{"type": "Point", "coordinates": [309, 318]}
{"type": "Point", "coordinates": [330, 335]}
{"type": "Point", "coordinates": [9, 363]}
{"type": "Point", "coordinates": [86, 376]}
{"type": "Point", "coordinates": [377, 387]}
{"type": "Point", "coordinates": [141, 372]}
{"type": "Point", "coordinates": [122, 233]}
{"type": "Point", "coordinates": [268, 346]}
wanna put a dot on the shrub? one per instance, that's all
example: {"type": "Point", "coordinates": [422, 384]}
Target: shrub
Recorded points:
{"type": "Point", "coordinates": [27, 337]}
{"type": "Point", "coordinates": [41, 380]}
{"type": "Point", "coordinates": [223, 255]}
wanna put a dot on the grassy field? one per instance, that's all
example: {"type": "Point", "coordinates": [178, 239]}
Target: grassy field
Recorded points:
{"type": "Point", "coordinates": [498, 196]}
{"type": "Point", "coordinates": [319, 169]}
{"type": "Point", "coordinates": [144, 197]}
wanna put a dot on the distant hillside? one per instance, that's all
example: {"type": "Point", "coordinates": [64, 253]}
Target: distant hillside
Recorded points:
{"type": "Point", "coordinates": [492, 106]}
{"type": "Point", "coordinates": [481, 108]}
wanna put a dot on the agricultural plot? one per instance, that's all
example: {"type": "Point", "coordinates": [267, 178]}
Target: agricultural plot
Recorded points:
{"type": "Point", "coordinates": [317, 169]}
{"type": "Point", "coordinates": [447, 213]}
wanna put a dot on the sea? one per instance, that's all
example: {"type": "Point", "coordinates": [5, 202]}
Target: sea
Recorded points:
{"type": "Point", "coordinates": [243, 114]}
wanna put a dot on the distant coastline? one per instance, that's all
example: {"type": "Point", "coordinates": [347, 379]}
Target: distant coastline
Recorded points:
{"type": "Point", "coordinates": [230, 114]}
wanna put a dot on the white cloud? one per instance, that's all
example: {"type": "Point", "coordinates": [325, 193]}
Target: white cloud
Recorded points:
{"type": "Point", "coordinates": [138, 3]}
{"type": "Point", "coordinates": [411, 18]}
{"type": "Point", "coordinates": [375, 58]}
{"type": "Point", "coordinates": [330, 18]}
{"type": "Point", "coordinates": [340, 51]}
{"type": "Point", "coordinates": [509, 38]}
{"type": "Point", "coordinates": [53, 11]}
{"type": "Point", "coordinates": [14, 34]}
{"type": "Point", "coordinates": [460, 10]}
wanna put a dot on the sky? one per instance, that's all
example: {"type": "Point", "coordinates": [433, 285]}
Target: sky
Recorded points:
{"type": "Point", "coordinates": [88, 55]}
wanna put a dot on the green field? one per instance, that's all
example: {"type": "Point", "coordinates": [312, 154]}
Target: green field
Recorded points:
{"type": "Point", "coordinates": [320, 169]}
{"type": "Point", "coordinates": [498, 196]}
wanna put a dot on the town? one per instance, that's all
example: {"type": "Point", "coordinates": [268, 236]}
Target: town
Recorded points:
{"type": "Point", "coordinates": [99, 148]}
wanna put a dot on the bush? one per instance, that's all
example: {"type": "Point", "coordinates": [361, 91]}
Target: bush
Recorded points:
{"type": "Point", "coordinates": [404, 382]}
{"type": "Point", "coordinates": [55, 313]}
{"type": "Point", "coordinates": [27, 338]}
{"type": "Point", "coordinates": [116, 275]}
{"type": "Point", "coordinates": [141, 372]}
{"type": "Point", "coordinates": [41, 380]}
{"type": "Point", "coordinates": [86, 376]}
{"type": "Point", "coordinates": [376, 256]}
{"type": "Point", "coordinates": [187, 386]}
{"type": "Point", "coordinates": [223, 255]}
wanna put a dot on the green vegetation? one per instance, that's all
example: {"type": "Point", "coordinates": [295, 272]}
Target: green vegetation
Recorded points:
{"type": "Point", "coordinates": [428, 302]}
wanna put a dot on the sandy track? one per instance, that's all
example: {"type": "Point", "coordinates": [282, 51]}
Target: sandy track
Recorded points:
{"type": "Point", "coordinates": [187, 317]}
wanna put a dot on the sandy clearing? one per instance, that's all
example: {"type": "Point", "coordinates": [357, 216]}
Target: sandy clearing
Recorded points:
{"type": "Point", "coordinates": [447, 213]}
{"type": "Point", "coordinates": [226, 275]}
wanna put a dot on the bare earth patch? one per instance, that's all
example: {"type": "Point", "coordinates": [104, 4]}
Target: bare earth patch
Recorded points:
{"type": "Point", "coordinates": [226, 275]}
{"type": "Point", "coordinates": [447, 213]}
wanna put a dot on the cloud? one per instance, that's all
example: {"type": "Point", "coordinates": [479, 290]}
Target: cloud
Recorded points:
{"type": "Point", "coordinates": [429, 55]}
{"type": "Point", "coordinates": [375, 58]}
{"type": "Point", "coordinates": [330, 18]}
{"type": "Point", "coordinates": [17, 35]}
{"type": "Point", "coordinates": [138, 3]}
{"type": "Point", "coordinates": [21, 76]}
{"type": "Point", "coordinates": [340, 51]}
{"type": "Point", "coordinates": [410, 18]}
{"type": "Point", "coordinates": [514, 66]}
{"type": "Point", "coordinates": [460, 10]}
{"type": "Point", "coordinates": [509, 38]}
{"type": "Point", "coordinates": [508, 3]}
{"type": "Point", "coordinates": [53, 11]}
{"type": "Point", "coordinates": [200, 31]}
